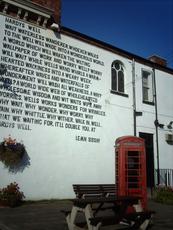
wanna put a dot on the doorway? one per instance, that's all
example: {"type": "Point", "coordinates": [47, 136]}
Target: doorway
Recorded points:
{"type": "Point", "coordinates": [149, 158]}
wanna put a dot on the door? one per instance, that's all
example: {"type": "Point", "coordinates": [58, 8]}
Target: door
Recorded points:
{"type": "Point", "coordinates": [149, 158]}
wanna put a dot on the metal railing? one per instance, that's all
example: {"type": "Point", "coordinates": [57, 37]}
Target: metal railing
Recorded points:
{"type": "Point", "coordinates": [166, 177]}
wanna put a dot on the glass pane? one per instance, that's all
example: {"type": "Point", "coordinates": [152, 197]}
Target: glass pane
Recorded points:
{"type": "Point", "coordinates": [117, 65]}
{"type": "Point", "coordinates": [145, 74]}
{"type": "Point", "coordinates": [120, 81]}
{"type": "Point", "coordinates": [114, 80]}
{"type": "Point", "coordinates": [133, 169]}
{"type": "Point", "coordinates": [145, 94]}
{"type": "Point", "coordinates": [145, 81]}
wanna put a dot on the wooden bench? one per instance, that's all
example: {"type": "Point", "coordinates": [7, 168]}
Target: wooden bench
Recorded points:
{"type": "Point", "coordinates": [93, 190]}
{"type": "Point", "coordinates": [134, 220]}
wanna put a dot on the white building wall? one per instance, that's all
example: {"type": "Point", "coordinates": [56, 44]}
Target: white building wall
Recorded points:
{"type": "Point", "coordinates": [61, 156]}
{"type": "Point", "coordinates": [145, 123]}
{"type": "Point", "coordinates": [164, 84]}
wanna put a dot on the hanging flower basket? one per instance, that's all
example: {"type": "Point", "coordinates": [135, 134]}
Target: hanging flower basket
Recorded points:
{"type": "Point", "coordinates": [11, 152]}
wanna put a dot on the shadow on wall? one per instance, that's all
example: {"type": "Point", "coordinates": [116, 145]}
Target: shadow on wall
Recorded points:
{"type": "Point", "coordinates": [24, 163]}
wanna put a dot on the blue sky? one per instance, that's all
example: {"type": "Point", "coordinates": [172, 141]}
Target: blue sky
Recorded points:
{"type": "Point", "coordinates": [142, 27]}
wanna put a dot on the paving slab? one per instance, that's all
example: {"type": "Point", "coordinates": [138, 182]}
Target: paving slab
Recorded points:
{"type": "Point", "coordinates": [48, 216]}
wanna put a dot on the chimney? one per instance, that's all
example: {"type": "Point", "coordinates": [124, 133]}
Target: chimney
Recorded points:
{"type": "Point", "coordinates": [158, 60]}
{"type": "Point", "coordinates": [54, 5]}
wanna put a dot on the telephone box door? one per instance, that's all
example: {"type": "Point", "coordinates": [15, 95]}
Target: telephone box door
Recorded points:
{"type": "Point", "coordinates": [131, 167]}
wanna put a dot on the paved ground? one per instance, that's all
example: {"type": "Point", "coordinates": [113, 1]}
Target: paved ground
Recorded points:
{"type": "Point", "coordinates": [47, 216]}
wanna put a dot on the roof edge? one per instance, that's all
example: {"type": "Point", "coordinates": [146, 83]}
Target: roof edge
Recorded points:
{"type": "Point", "coordinates": [114, 49]}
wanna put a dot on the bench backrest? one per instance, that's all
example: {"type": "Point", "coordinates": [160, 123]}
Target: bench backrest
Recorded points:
{"type": "Point", "coordinates": [84, 190]}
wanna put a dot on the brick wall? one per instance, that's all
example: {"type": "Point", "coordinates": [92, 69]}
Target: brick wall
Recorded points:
{"type": "Point", "coordinates": [55, 5]}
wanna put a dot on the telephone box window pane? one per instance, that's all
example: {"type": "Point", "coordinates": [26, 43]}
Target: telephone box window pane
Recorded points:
{"type": "Point", "coordinates": [133, 169]}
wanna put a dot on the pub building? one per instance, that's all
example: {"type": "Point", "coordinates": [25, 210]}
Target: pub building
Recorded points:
{"type": "Point", "coordinates": [68, 97]}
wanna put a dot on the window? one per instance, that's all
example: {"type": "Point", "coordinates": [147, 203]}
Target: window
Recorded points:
{"type": "Point", "coordinates": [147, 87]}
{"type": "Point", "coordinates": [117, 85]}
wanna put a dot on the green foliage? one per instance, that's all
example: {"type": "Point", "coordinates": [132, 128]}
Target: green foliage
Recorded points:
{"type": "Point", "coordinates": [164, 195]}
{"type": "Point", "coordinates": [11, 195]}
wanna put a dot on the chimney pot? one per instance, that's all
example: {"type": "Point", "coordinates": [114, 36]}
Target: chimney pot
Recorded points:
{"type": "Point", "coordinates": [158, 60]}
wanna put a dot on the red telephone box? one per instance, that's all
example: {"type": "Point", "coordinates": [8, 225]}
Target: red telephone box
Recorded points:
{"type": "Point", "coordinates": [131, 167]}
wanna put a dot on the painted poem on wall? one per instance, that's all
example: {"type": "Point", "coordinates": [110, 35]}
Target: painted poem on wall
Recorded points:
{"type": "Point", "coordinates": [49, 83]}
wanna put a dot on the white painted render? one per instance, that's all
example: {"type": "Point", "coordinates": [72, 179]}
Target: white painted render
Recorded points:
{"type": "Point", "coordinates": [57, 159]}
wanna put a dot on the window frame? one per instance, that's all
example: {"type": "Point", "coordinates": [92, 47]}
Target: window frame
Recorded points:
{"type": "Point", "coordinates": [148, 86]}
{"type": "Point", "coordinates": [118, 78]}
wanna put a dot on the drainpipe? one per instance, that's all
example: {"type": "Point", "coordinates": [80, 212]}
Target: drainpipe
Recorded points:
{"type": "Point", "coordinates": [156, 126]}
{"type": "Point", "coordinates": [134, 96]}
